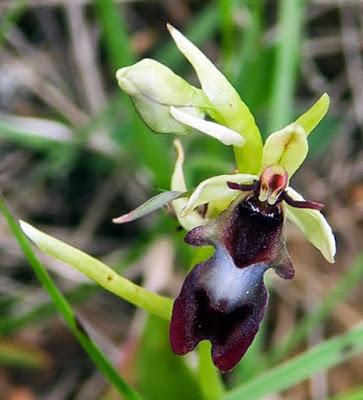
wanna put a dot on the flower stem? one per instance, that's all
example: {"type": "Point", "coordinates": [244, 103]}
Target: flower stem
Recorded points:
{"type": "Point", "coordinates": [209, 378]}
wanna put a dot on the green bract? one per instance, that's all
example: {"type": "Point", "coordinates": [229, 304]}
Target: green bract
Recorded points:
{"type": "Point", "coordinates": [170, 104]}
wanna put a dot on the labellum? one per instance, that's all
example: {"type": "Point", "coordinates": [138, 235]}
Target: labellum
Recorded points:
{"type": "Point", "coordinates": [224, 298]}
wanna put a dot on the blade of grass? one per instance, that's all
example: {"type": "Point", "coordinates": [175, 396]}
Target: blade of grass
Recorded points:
{"type": "Point", "coordinates": [286, 66]}
{"type": "Point", "coordinates": [66, 310]}
{"type": "Point", "coordinates": [114, 33]}
{"type": "Point", "coordinates": [343, 288]}
{"type": "Point", "coordinates": [251, 42]}
{"type": "Point", "coordinates": [321, 357]}
{"type": "Point", "coordinates": [225, 8]}
{"type": "Point", "coordinates": [253, 59]}
{"type": "Point", "coordinates": [100, 273]}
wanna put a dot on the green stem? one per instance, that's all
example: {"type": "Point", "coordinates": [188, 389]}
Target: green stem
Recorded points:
{"type": "Point", "coordinates": [209, 378]}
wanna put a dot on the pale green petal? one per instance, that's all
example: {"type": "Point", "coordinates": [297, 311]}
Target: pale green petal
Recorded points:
{"type": "Point", "coordinates": [310, 119]}
{"type": "Point", "coordinates": [287, 148]}
{"type": "Point", "coordinates": [153, 88]}
{"type": "Point", "coordinates": [228, 108]}
{"type": "Point", "coordinates": [314, 226]}
{"type": "Point", "coordinates": [216, 188]}
{"type": "Point", "coordinates": [223, 134]}
{"type": "Point", "coordinates": [158, 118]}
{"type": "Point", "coordinates": [193, 219]}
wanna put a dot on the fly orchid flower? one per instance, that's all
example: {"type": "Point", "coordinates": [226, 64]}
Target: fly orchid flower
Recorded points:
{"type": "Point", "coordinates": [224, 298]}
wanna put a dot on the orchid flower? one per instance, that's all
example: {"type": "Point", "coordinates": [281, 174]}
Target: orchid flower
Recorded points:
{"type": "Point", "coordinates": [224, 298]}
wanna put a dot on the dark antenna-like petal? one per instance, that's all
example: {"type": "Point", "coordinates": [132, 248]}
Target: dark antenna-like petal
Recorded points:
{"type": "Point", "coordinates": [302, 203]}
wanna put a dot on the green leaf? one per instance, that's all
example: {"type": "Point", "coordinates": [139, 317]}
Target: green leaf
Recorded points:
{"type": "Point", "coordinates": [321, 357]}
{"type": "Point", "coordinates": [100, 273]}
{"type": "Point", "coordinates": [151, 205]}
{"type": "Point", "coordinates": [162, 374]}
{"type": "Point", "coordinates": [114, 33]}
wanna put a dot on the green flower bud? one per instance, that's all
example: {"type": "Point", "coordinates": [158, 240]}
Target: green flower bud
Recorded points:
{"type": "Point", "coordinates": [153, 88]}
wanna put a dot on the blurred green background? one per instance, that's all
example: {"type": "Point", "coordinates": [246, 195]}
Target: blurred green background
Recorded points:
{"type": "Point", "coordinates": [74, 154]}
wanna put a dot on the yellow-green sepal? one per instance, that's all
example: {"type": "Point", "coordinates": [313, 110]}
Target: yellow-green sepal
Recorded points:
{"type": "Point", "coordinates": [227, 107]}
